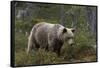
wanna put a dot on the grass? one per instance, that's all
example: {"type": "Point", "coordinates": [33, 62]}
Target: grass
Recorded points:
{"type": "Point", "coordinates": [82, 51]}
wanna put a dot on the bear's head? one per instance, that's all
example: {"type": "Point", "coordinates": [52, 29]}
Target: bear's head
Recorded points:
{"type": "Point", "coordinates": [66, 35]}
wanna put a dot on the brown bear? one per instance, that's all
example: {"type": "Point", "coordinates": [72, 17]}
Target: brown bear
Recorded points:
{"type": "Point", "coordinates": [49, 37]}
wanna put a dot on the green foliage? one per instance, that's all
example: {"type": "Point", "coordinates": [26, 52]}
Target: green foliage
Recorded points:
{"type": "Point", "coordinates": [82, 51]}
{"type": "Point", "coordinates": [20, 42]}
{"type": "Point", "coordinates": [37, 58]}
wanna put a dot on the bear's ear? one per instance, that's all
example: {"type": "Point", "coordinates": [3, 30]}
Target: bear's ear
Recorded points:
{"type": "Point", "coordinates": [64, 30]}
{"type": "Point", "coordinates": [73, 30]}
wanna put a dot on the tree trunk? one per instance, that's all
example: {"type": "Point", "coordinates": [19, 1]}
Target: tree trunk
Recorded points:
{"type": "Point", "coordinates": [62, 15]}
{"type": "Point", "coordinates": [91, 19]}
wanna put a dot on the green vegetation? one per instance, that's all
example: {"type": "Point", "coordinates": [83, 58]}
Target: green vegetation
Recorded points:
{"type": "Point", "coordinates": [84, 49]}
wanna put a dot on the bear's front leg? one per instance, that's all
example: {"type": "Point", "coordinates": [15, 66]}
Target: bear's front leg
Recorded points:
{"type": "Point", "coordinates": [57, 49]}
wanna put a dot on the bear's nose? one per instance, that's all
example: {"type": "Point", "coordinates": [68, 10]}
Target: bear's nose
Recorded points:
{"type": "Point", "coordinates": [72, 44]}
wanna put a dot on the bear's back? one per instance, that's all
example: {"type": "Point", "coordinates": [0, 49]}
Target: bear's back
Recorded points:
{"type": "Point", "coordinates": [42, 30]}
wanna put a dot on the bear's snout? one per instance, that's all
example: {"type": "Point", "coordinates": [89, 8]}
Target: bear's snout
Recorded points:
{"type": "Point", "coordinates": [72, 44]}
